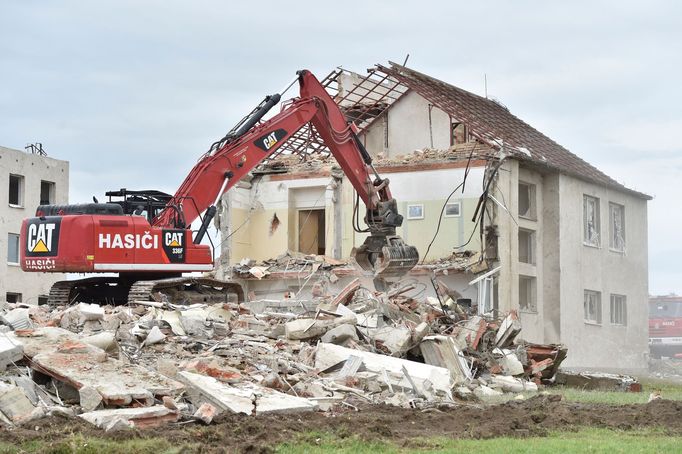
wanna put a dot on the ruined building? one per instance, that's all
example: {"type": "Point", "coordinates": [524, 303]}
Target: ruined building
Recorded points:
{"type": "Point", "coordinates": [29, 178]}
{"type": "Point", "coordinates": [511, 220]}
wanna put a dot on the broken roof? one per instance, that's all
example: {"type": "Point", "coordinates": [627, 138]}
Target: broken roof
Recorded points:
{"type": "Point", "coordinates": [493, 124]}
{"type": "Point", "coordinates": [365, 99]}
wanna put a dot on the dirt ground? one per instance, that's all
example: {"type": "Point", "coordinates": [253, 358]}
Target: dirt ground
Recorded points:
{"type": "Point", "coordinates": [533, 417]}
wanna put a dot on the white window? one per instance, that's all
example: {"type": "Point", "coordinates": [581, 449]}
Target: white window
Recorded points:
{"type": "Point", "coordinates": [527, 294]}
{"type": "Point", "coordinates": [16, 190]}
{"type": "Point", "coordinates": [415, 211]}
{"type": "Point", "coordinates": [591, 226]}
{"type": "Point", "coordinates": [13, 248]}
{"type": "Point", "coordinates": [527, 246]}
{"type": "Point", "coordinates": [452, 210]}
{"type": "Point", "coordinates": [47, 192]}
{"type": "Point", "coordinates": [619, 312]}
{"type": "Point", "coordinates": [617, 227]}
{"type": "Point", "coordinates": [527, 200]}
{"type": "Point", "coordinates": [592, 306]}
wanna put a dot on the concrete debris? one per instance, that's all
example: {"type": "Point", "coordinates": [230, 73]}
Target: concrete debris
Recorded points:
{"type": "Point", "coordinates": [442, 351]}
{"type": "Point", "coordinates": [249, 399]}
{"type": "Point", "coordinates": [17, 318]}
{"type": "Point", "coordinates": [90, 398]}
{"type": "Point", "coordinates": [141, 417]}
{"type": "Point", "coordinates": [598, 381]}
{"type": "Point", "coordinates": [10, 351]}
{"type": "Point", "coordinates": [341, 334]}
{"type": "Point", "coordinates": [113, 365]}
{"type": "Point", "coordinates": [386, 367]}
{"type": "Point", "coordinates": [15, 405]}
{"type": "Point", "coordinates": [205, 413]}
{"type": "Point", "coordinates": [306, 328]}
{"type": "Point", "coordinates": [287, 262]}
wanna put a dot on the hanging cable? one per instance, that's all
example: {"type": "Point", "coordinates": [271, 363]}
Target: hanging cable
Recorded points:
{"type": "Point", "coordinates": [461, 185]}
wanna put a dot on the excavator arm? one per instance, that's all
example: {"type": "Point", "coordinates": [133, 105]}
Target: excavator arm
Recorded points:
{"type": "Point", "coordinates": [383, 252]}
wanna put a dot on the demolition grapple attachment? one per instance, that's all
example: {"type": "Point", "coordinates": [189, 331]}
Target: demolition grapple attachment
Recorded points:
{"type": "Point", "coordinates": [386, 256]}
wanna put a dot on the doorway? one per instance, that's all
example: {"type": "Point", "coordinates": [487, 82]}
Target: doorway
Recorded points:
{"type": "Point", "coordinates": [311, 231]}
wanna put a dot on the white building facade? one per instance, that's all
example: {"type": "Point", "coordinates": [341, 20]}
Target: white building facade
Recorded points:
{"type": "Point", "coordinates": [28, 180]}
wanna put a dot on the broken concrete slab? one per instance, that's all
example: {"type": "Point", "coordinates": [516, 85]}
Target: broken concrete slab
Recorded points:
{"type": "Point", "coordinates": [104, 340]}
{"type": "Point", "coordinates": [40, 340]}
{"type": "Point", "coordinates": [17, 318]}
{"type": "Point", "coordinates": [205, 413]}
{"type": "Point", "coordinates": [14, 404]}
{"type": "Point", "coordinates": [90, 312]}
{"type": "Point", "coordinates": [122, 384]}
{"type": "Point", "coordinates": [398, 339]}
{"type": "Point", "coordinates": [10, 351]}
{"type": "Point", "coordinates": [471, 332]}
{"type": "Point", "coordinates": [509, 329]}
{"type": "Point", "coordinates": [90, 398]}
{"type": "Point", "coordinates": [350, 367]}
{"type": "Point", "coordinates": [329, 355]}
{"type": "Point", "coordinates": [512, 384]}
{"type": "Point", "coordinates": [442, 351]}
{"type": "Point", "coordinates": [340, 334]}
{"type": "Point", "coordinates": [486, 393]}
{"type": "Point", "coordinates": [509, 362]}
{"type": "Point", "coordinates": [308, 328]}
{"type": "Point", "coordinates": [598, 381]}
{"type": "Point", "coordinates": [142, 417]}
{"type": "Point", "coordinates": [248, 398]}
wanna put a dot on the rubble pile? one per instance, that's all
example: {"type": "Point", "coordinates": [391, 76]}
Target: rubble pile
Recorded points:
{"type": "Point", "coordinates": [287, 262]}
{"type": "Point", "coordinates": [153, 362]}
{"type": "Point", "coordinates": [309, 264]}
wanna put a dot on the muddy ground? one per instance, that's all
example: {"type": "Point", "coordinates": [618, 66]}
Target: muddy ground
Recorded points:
{"type": "Point", "coordinates": [533, 417]}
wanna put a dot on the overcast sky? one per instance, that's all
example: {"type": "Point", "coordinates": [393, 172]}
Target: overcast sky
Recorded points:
{"type": "Point", "coordinates": [132, 92]}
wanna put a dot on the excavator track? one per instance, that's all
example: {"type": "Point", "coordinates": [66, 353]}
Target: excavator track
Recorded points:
{"type": "Point", "coordinates": [112, 290]}
{"type": "Point", "coordinates": [185, 289]}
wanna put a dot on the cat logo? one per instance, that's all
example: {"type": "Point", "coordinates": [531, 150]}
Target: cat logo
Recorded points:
{"type": "Point", "coordinates": [271, 139]}
{"type": "Point", "coordinates": [173, 239]}
{"type": "Point", "coordinates": [174, 245]}
{"type": "Point", "coordinates": [42, 238]}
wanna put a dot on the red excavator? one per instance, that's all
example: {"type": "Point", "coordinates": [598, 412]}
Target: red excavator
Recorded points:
{"type": "Point", "coordinates": [146, 236]}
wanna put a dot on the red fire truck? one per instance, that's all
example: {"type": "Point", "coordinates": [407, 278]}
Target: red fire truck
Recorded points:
{"type": "Point", "coordinates": [665, 326]}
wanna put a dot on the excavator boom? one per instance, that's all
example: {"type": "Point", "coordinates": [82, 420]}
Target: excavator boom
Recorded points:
{"type": "Point", "coordinates": [101, 237]}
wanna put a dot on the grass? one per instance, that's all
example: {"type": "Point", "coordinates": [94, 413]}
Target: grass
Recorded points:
{"type": "Point", "coordinates": [586, 440]}
{"type": "Point", "coordinates": [669, 390]}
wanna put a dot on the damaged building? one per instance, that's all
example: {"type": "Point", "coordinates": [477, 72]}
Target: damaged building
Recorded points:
{"type": "Point", "coordinates": [503, 216]}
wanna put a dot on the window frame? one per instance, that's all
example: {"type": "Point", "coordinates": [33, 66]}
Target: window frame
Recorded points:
{"type": "Point", "coordinates": [598, 307]}
{"type": "Point", "coordinates": [21, 190]}
{"type": "Point", "coordinates": [459, 210]}
{"type": "Point", "coordinates": [532, 252]}
{"type": "Point", "coordinates": [532, 292]}
{"type": "Point", "coordinates": [597, 216]}
{"type": "Point", "coordinates": [10, 238]}
{"type": "Point", "coordinates": [612, 231]}
{"type": "Point", "coordinates": [52, 192]}
{"type": "Point", "coordinates": [415, 205]}
{"type": "Point", "coordinates": [613, 298]}
{"type": "Point", "coordinates": [532, 214]}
